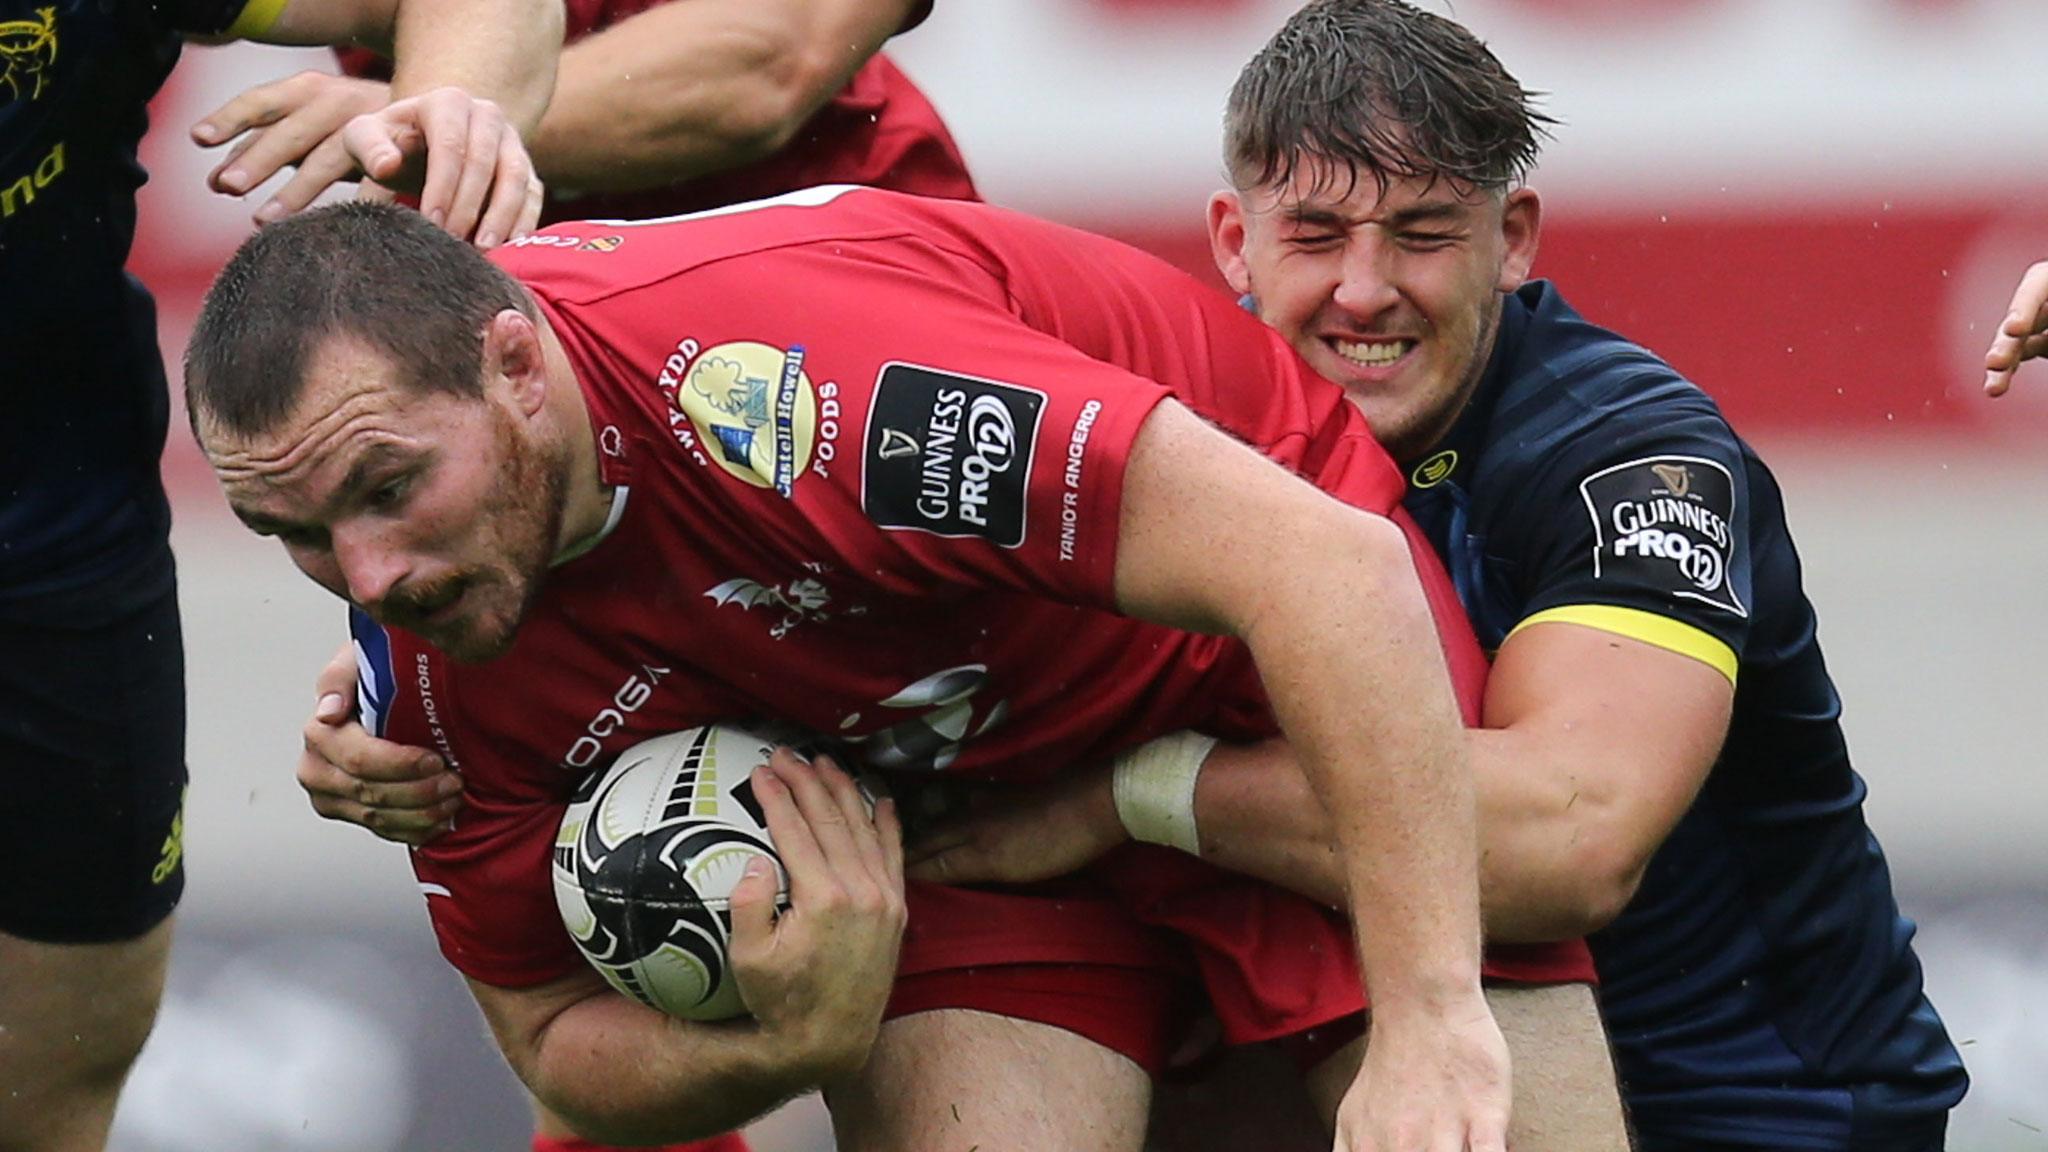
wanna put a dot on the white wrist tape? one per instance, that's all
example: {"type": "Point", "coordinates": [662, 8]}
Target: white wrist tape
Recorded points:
{"type": "Point", "coordinates": [1154, 786]}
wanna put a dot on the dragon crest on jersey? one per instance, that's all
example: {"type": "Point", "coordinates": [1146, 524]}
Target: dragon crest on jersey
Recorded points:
{"type": "Point", "coordinates": [1664, 521]}
{"type": "Point", "coordinates": [949, 454]}
{"type": "Point", "coordinates": [800, 601]}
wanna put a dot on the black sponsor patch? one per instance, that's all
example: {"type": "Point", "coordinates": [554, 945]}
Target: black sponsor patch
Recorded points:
{"type": "Point", "coordinates": [949, 454]}
{"type": "Point", "coordinates": [1665, 522]}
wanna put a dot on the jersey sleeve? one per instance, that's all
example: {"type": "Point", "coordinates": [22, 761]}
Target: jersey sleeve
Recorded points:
{"type": "Point", "coordinates": [486, 880]}
{"type": "Point", "coordinates": [874, 403]}
{"type": "Point", "coordinates": [235, 19]}
{"type": "Point", "coordinates": [1639, 525]}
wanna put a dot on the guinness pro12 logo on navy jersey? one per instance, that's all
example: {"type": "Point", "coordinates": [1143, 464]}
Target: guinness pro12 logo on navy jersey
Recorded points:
{"type": "Point", "coordinates": [949, 454]}
{"type": "Point", "coordinates": [1663, 522]}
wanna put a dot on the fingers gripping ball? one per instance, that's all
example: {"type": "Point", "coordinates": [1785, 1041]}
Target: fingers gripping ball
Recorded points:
{"type": "Point", "coordinates": [646, 861]}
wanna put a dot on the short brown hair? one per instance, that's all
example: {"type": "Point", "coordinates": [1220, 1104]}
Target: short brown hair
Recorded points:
{"type": "Point", "coordinates": [378, 273]}
{"type": "Point", "coordinates": [1379, 86]}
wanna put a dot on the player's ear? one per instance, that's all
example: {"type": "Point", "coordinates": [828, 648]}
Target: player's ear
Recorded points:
{"type": "Point", "coordinates": [1226, 240]}
{"type": "Point", "coordinates": [514, 360]}
{"type": "Point", "coordinates": [1521, 226]}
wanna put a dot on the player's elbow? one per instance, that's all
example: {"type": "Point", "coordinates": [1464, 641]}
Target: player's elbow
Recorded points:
{"type": "Point", "coordinates": [524, 97]}
{"type": "Point", "coordinates": [1317, 554]}
{"type": "Point", "coordinates": [1374, 553]}
{"type": "Point", "coordinates": [581, 1101]}
{"type": "Point", "coordinates": [760, 122]}
{"type": "Point", "coordinates": [1339, 539]}
{"type": "Point", "coordinates": [1606, 869]}
{"type": "Point", "coordinates": [783, 81]}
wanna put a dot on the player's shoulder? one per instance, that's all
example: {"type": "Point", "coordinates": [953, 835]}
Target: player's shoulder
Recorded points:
{"type": "Point", "coordinates": [586, 261]}
{"type": "Point", "coordinates": [1573, 395]}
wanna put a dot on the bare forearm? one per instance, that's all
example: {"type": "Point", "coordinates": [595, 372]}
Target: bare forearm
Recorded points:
{"type": "Point", "coordinates": [1258, 815]}
{"type": "Point", "coordinates": [621, 1073]}
{"type": "Point", "coordinates": [697, 86]}
{"type": "Point", "coordinates": [1545, 872]}
{"type": "Point", "coordinates": [501, 50]}
{"type": "Point", "coordinates": [1366, 699]}
{"type": "Point", "coordinates": [1326, 598]}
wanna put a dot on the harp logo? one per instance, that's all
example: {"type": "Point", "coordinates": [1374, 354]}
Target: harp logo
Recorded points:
{"type": "Point", "coordinates": [1677, 478]}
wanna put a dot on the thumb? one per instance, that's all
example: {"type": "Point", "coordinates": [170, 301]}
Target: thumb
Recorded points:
{"type": "Point", "coordinates": [753, 903]}
{"type": "Point", "coordinates": [333, 708]}
{"type": "Point", "coordinates": [374, 145]}
{"type": "Point", "coordinates": [338, 675]}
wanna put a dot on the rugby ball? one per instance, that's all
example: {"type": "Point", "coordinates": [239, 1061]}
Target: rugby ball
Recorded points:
{"type": "Point", "coordinates": [646, 860]}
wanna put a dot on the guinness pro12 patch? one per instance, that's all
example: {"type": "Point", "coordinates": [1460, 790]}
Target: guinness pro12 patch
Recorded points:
{"type": "Point", "coordinates": [949, 454]}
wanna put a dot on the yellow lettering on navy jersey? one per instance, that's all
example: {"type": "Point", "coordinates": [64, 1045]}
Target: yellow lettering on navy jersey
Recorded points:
{"type": "Point", "coordinates": [22, 192]}
{"type": "Point", "coordinates": [173, 850]}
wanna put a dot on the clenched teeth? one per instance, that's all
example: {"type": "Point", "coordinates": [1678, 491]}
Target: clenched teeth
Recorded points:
{"type": "Point", "coordinates": [1372, 353]}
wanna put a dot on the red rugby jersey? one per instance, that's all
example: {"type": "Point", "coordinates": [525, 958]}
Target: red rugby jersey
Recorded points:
{"type": "Point", "coordinates": [872, 447]}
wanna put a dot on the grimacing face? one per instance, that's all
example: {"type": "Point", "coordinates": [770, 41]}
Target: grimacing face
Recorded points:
{"type": "Point", "coordinates": [1396, 297]}
{"type": "Point", "coordinates": [434, 513]}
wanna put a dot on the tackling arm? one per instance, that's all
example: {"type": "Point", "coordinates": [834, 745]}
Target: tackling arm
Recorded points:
{"type": "Point", "coordinates": [471, 75]}
{"type": "Point", "coordinates": [504, 50]}
{"type": "Point", "coordinates": [692, 87]}
{"type": "Point", "coordinates": [1578, 783]}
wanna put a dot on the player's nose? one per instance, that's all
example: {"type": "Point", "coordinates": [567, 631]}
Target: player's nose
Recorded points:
{"type": "Point", "coordinates": [1365, 284]}
{"type": "Point", "coordinates": [370, 566]}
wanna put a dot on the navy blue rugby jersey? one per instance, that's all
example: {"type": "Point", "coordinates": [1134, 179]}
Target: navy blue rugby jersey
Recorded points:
{"type": "Point", "coordinates": [81, 382]}
{"type": "Point", "coordinates": [1761, 989]}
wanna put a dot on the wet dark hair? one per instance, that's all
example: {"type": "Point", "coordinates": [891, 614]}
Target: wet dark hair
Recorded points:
{"type": "Point", "coordinates": [1380, 87]}
{"type": "Point", "coordinates": [380, 274]}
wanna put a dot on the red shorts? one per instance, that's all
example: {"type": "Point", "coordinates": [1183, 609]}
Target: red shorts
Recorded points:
{"type": "Point", "coordinates": [1128, 952]}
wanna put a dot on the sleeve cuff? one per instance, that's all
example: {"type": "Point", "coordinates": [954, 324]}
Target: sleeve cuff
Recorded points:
{"type": "Point", "coordinates": [1648, 627]}
{"type": "Point", "coordinates": [256, 18]}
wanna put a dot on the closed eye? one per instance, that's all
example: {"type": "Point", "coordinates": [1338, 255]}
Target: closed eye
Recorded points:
{"type": "Point", "coordinates": [389, 495]}
{"type": "Point", "coordinates": [301, 539]}
{"type": "Point", "coordinates": [1426, 241]}
{"type": "Point", "coordinates": [1315, 241]}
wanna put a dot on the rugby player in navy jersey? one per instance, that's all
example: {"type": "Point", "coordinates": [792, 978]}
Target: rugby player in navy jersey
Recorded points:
{"type": "Point", "coordinates": [92, 719]}
{"type": "Point", "coordinates": [1662, 764]}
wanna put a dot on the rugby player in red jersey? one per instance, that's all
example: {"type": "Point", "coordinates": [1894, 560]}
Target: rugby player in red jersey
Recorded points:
{"type": "Point", "coordinates": [660, 108]}
{"type": "Point", "coordinates": [966, 435]}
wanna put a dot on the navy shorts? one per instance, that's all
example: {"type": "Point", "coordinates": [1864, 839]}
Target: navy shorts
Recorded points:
{"type": "Point", "coordinates": [92, 776]}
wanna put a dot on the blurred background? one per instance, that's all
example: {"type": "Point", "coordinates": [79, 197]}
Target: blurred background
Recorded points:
{"type": "Point", "coordinates": [1816, 208]}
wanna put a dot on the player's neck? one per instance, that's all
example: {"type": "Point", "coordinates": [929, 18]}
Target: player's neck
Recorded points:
{"type": "Point", "coordinates": [587, 501]}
